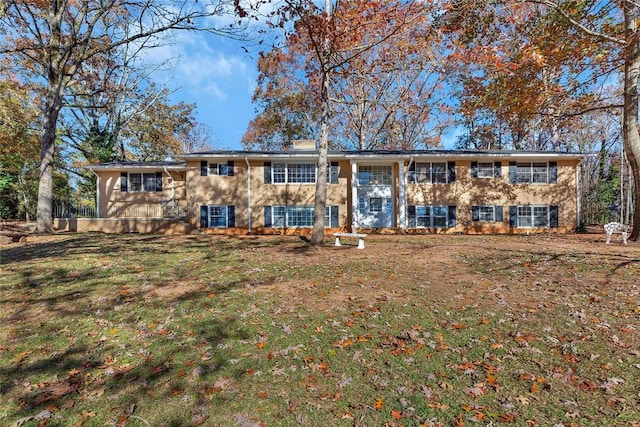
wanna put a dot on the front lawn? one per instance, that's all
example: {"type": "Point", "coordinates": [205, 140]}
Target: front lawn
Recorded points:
{"type": "Point", "coordinates": [136, 330]}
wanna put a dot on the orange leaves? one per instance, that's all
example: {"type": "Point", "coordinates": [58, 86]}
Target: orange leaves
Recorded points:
{"type": "Point", "coordinates": [378, 404]}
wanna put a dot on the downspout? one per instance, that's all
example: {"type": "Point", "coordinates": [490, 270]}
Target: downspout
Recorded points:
{"type": "Point", "coordinates": [97, 193]}
{"type": "Point", "coordinates": [579, 194]}
{"type": "Point", "coordinates": [248, 195]}
{"type": "Point", "coordinates": [173, 188]}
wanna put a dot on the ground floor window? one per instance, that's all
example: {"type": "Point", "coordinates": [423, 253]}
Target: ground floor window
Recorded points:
{"type": "Point", "coordinates": [297, 216]}
{"type": "Point", "coordinates": [486, 213]}
{"type": "Point", "coordinates": [428, 216]}
{"type": "Point", "coordinates": [533, 216]}
{"type": "Point", "coordinates": [217, 216]}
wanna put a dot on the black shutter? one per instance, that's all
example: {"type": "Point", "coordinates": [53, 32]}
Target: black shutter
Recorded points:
{"type": "Point", "coordinates": [204, 217]}
{"type": "Point", "coordinates": [553, 172]}
{"type": "Point", "coordinates": [231, 216]}
{"type": "Point", "coordinates": [474, 169]}
{"type": "Point", "coordinates": [553, 216]}
{"type": "Point", "coordinates": [513, 216]}
{"type": "Point", "coordinates": [498, 213]}
{"type": "Point", "coordinates": [124, 179]}
{"type": "Point", "coordinates": [497, 169]}
{"type": "Point", "coordinates": [267, 216]}
{"type": "Point", "coordinates": [411, 176]}
{"type": "Point", "coordinates": [267, 174]}
{"type": "Point", "coordinates": [451, 223]}
{"type": "Point", "coordinates": [334, 217]}
{"type": "Point", "coordinates": [158, 181]}
{"type": "Point", "coordinates": [204, 168]}
{"type": "Point", "coordinates": [451, 172]}
{"type": "Point", "coordinates": [412, 216]}
{"type": "Point", "coordinates": [513, 167]}
{"type": "Point", "coordinates": [475, 213]}
{"type": "Point", "coordinates": [230, 171]}
{"type": "Point", "coordinates": [333, 173]}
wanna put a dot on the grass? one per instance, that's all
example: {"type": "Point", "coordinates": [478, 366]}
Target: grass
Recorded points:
{"type": "Point", "coordinates": [413, 331]}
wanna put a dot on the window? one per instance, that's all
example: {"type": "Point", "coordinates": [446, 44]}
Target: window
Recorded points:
{"type": "Point", "coordinates": [533, 173]}
{"type": "Point", "coordinates": [300, 216]}
{"type": "Point", "coordinates": [375, 204]}
{"type": "Point", "coordinates": [141, 182]}
{"type": "Point", "coordinates": [432, 216]}
{"type": "Point", "coordinates": [533, 216]}
{"type": "Point", "coordinates": [217, 216]}
{"type": "Point", "coordinates": [486, 169]}
{"type": "Point", "coordinates": [294, 173]}
{"type": "Point", "coordinates": [486, 213]}
{"type": "Point", "coordinates": [432, 173]}
{"type": "Point", "coordinates": [301, 173]}
{"type": "Point", "coordinates": [220, 169]}
{"type": "Point", "coordinates": [375, 175]}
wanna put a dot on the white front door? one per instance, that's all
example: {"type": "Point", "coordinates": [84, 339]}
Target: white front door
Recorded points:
{"type": "Point", "coordinates": [375, 196]}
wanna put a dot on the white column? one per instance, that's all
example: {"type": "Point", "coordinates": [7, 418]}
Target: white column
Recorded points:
{"type": "Point", "coordinates": [355, 212]}
{"type": "Point", "coordinates": [402, 196]}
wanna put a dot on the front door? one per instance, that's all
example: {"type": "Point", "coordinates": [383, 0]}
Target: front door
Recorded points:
{"type": "Point", "coordinates": [375, 196]}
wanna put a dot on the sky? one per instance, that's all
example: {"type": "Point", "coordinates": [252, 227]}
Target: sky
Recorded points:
{"type": "Point", "coordinates": [217, 75]}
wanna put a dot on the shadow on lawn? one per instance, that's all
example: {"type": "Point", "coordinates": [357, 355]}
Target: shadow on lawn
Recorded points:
{"type": "Point", "coordinates": [45, 304]}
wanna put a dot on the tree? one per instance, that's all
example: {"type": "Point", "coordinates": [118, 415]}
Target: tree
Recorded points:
{"type": "Point", "coordinates": [18, 150]}
{"type": "Point", "coordinates": [573, 50]}
{"type": "Point", "coordinates": [526, 74]}
{"type": "Point", "coordinates": [334, 37]}
{"type": "Point", "coordinates": [54, 40]}
{"type": "Point", "coordinates": [389, 95]}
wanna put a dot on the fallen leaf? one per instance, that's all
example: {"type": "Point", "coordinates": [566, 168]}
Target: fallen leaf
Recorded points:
{"type": "Point", "coordinates": [378, 404]}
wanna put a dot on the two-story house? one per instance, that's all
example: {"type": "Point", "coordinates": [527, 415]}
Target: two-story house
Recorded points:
{"type": "Point", "coordinates": [239, 192]}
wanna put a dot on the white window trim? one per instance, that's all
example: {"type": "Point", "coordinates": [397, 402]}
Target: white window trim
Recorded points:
{"type": "Point", "coordinates": [429, 166]}
{"type": "Point", "coordinates": [532, 217]}
{"type": "Point", "coordinates": [493, 213]}
{"type": "Point", "coordinates": [286, 173]}
{"type": "Point", "coordinates": [490, 170]}
{"type": "Point", "coordinates": [225, 208]}
{"type": "Point", "coordinates": [532, 173]}
{"type": "Point", "coordinates": [431, 216]}
{"type": "Point", "coordinates": [142, 181]}
{"type": "Point", "coordinates": [327, 217]}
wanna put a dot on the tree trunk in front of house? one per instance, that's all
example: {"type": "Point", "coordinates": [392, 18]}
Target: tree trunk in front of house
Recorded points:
{"type": "Point", "coordinates": [631, 131]}
{"type": "Point", "coordinates": [320, 203]}
{"type": "Point", "coordinates": [44, 215]}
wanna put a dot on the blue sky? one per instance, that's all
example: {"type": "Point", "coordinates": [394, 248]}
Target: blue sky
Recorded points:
{"type": "Point", "coordinates": [216, 74]}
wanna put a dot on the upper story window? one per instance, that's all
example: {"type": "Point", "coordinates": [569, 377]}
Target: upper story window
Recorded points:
{"type": "Point", "coordinates": [375, 175]}
{"type": "Point", "coordinates": [486, 169]}
{"type": "Point", "coordinates": [141, 182]}
{"type": "Point", "coordinates": [290, 173]}
{"type": "Point", "coordinates": [432, 173]}
{"type": "Point", "coordinates": [298, 173]}
{"type": "Point", "coordinates": [533, 172]}
{"type": "Point", "coordinates": [221, 169]}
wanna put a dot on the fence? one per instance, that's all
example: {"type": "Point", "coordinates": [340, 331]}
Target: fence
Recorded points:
{"type": "Point", "coordinates": [70, 211]}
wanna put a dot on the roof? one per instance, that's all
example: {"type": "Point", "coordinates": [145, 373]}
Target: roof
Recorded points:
{"type": "Point", "coordinates": [387, 154]}
{"type": "Point", "coordinates": [116, 166]}
{"type": "Point", "coordinates": [364, 155]}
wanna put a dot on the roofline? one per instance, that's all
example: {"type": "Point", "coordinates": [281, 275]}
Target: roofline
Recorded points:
{"type": "Point", "coordinates": [384, 154]}
{"type": "Point", "coordinates": [119, 166]}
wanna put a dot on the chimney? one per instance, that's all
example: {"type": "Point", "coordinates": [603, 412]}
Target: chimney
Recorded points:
{"type": "Point", "coordinates": [304, 144]}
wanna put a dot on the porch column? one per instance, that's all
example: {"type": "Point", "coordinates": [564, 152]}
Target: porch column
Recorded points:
{"type": "Point", "coordinates": [402, 196]}
{"type": "Point", "coordinates": [355, 211]}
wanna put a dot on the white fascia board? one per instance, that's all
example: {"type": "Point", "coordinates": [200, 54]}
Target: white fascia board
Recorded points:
{"type": "Point", "coordinates": [127, 168]}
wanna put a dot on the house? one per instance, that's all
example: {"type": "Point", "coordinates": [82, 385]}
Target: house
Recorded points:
{"type": "Point", "coordinates": [257, 192]}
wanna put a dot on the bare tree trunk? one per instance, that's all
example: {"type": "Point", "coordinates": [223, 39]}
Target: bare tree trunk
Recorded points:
{"type": "Point", "coordinates": [631, 134]}
{"type": "Point", "coordinates": [44, 215]}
